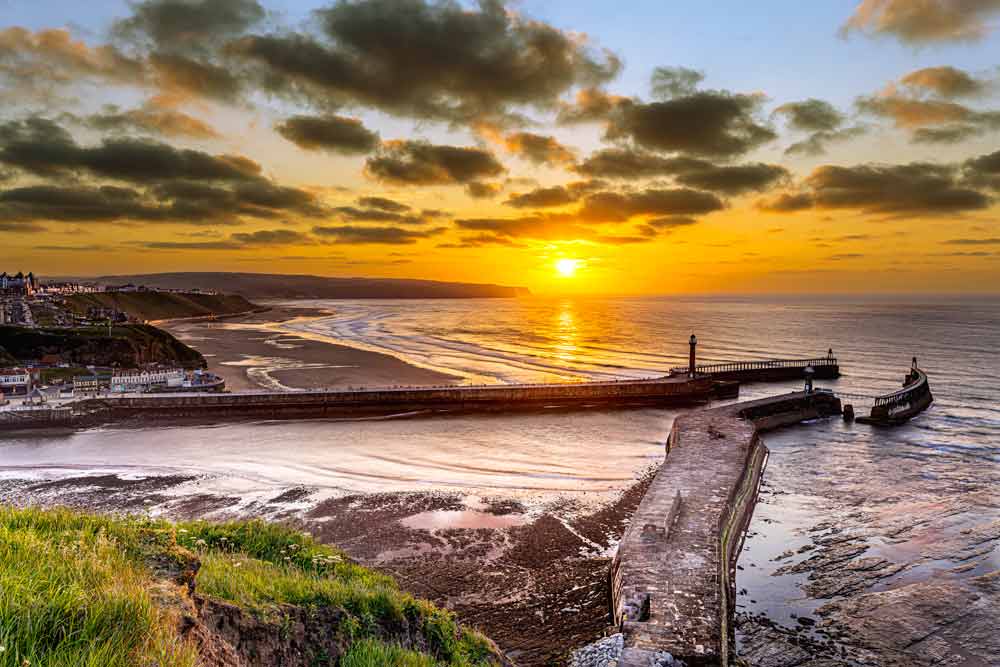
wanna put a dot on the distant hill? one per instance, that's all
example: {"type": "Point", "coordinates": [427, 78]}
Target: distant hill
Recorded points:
{"type": "Point", "coordinates": [161, 305]}
{"type": "Point", "coordinates": [272, 286]}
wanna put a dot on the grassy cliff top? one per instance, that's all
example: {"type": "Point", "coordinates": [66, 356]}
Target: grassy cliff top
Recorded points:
{"type": "Point", "coordinates": [161, 305]}
{"type": "Point", "coordinates": [80, 589]}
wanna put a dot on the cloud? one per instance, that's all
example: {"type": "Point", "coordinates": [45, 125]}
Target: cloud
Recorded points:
{"type": "Point", "coordinates": [422, 163]}
{"type": "Point", "coordinates": [7, 226]}
{"type": "Point", "coordinates": [482, 240]}
{"type": "Point", "coordinates": [983, 171]}
{"type": "Point", "coordinates": [811, 115]}
{"type": "Point", "coordinates": [991, 241]}
{"type": "Point", "coordinates": [948, 134]}
{"type": "Point", "coordinates": [166, 122]}
{"type": "Point", "coordinates": [923, 21]}
{"type": "Point", "coordinates": [188, 25]}
{"type": "Point", "coordinates": [383, 204]}
{"type": "Point", "coordinates": [591, 105]}
{"type": "Point", "coordinates": [43, 147]}
{"type": "Point", "coordinates": [785, 202]}
{"type": "Point", "coordinates": [181, 78]}
{"type": "Point", "coordinates": [238, 241]}
{"type": "Point", "coordinates": [43, 203]}
{"type": "Point", "coordinates": [817, 142]}
{"type": "Point", "coordinates": [558, 195]}
{"type": "Point", "coordinates": [428, 60]}
{"type": "Point", "coordinates": [945, 81]}
{"type": "Point", "coordinates": [707, 123]}
{"type": "Point", "coordinates": [627, 163]}
{"type": "Point", "coordinates": [909, 112]}
{"type": "Point", "coordinates": [352, 235]}
{"type": "Point", "coordinates": [354, 214]}
{"type": "Point", "coordinates": [622, 206]}
{"type": "Point", "coordinates": [670, 82]}
{"type": "Point", "coordinates": [336, 134]}
{"type": "Point", "coordinates": [480, 190]}
{"type": "Point", "coordinates": [915, 189]}
{"type": "Point", "coordinates": [538, 149]}
{"type": "Point", "coordinates": [541, 226]}
{"type": "Point", "coordinates": [32, 62]}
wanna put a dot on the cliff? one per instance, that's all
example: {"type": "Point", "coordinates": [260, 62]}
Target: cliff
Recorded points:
{"type": "Point", "coordinates": [128, 346]}
{"type": "Point", "coordinates": [161, 305]}
{"type": "Point", "coordinates": [271, 286]}
{"type": "Point", "coordinates": [87, 590]}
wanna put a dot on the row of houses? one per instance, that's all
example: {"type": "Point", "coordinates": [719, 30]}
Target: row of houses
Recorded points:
{"type": "Point", "coordinates": [18, 285]}
{"type": "Point", "coordinates": [21, 381]}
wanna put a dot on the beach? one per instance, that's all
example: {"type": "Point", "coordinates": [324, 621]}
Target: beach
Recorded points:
{"type": "Point", "coordinates": [258, 351]}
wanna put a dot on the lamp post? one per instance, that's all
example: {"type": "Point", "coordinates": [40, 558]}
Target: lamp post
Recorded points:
{"type": "Point", "coordinates": [693, 342]}
{"type": "Point", "coordinates": [809, 372]}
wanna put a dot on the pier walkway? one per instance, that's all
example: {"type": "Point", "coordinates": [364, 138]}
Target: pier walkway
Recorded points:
{"type": "Point", "coordinates": [673, 578]}
{"type": "Point", "coordinates": [768, 370]}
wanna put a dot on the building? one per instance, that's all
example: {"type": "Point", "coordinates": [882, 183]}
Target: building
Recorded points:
{"type": "Point", "coordinates": [144, 380]}
{"type": "Point", "coordinates": [15, 381]}
{"type": "Point", "coordinates": [18, 285]}
{"type": "Point", "coordinates": [89, 384]}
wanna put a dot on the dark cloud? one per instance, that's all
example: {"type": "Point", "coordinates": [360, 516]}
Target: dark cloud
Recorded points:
{"type": "Point", "coordinates": [44, 203]}
{"type": "Point", "coordinates": [166, 122]}
{"type": "Point", "coordinates": [923, 21]}
{"type": "Point", "coordinates": [355, 214]}
{"type": "Point", "coordinates": [983, 171]}
{"type": "Point", "coordinates": [947, 134]}
{"type": "Point", "coordinates": [618, 206]}
{"type": "Point", "coordinates": [239, 241]}
{"type": "Point", "coordinates": [592, 105]}
{"type": "Point", "coordinates": [930, 120]}
{"type": "Point", "coordinates": [732, 179]}
{"type": "Point", "coordinates": [627, 163]}
{"type": "Point", "coordinates": [916, 189]}
{"type": "Point", "coordinates": [824, 122]}
{"type": "Point", "coordinates": [945, 81]}
{"type": "Point", "coordinates": [670, 223]}
{"type": "Point", "coordinates": [480, 190]}
{"type": "Point", "coordinates": [352, 235]}
{"type": "Point", "coordinates": [990, 241]}
{"type": "Point", "coordinates": [811, 115]}
{"type": "Point", "coordinates": [538, 149]}
{"type": "Point", "coordinates": [433, 60]}
{"type": "Point", "coordinates": [482, 240]}
{"type": "Point", "coordinates": [7, 226]}
{"type": "Point", "coordinates": [188, 25]}
{"type": "Point", "coordinates": [543, 227]}
{"type": "Point", "coordinates": [542, 198]}
{"type": "Point", "coordinates": [558, 195]}
{"type": "Point", "coordinates": [42, 147]}
{"type": "Point", "coordinates": [785, 203]}
{"type": "Point", "coordinates": [180, 78]}
{"type": "Point", "coordinates": [670, 82]}
{"type": "Point", "coordinates": [422, 163]}
{"type": "Point", "coordinates": [337, 134]}
{"type": "Point", "coordinates": [383, 204]}
{"type": "Point", "coordinates": [817, 142]}
{"type": "Point", "coordinates": [707, 123]}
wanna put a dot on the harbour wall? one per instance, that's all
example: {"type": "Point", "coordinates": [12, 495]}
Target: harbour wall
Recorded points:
{"type": "Point", "coordinates": [673, 579]}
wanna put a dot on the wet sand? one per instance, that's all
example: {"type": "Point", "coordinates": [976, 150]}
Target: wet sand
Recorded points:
{"type": "Point", "coordinates": [252, 352]}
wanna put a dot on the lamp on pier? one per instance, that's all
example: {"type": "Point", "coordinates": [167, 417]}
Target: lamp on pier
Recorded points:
{"type": "Point", "coordinates": [809, 373]}
{"type": "Point", "coordinates": [693, 342]}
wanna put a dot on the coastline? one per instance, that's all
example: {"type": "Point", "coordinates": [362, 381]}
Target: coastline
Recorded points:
{"type": "Point", "coordinates": [255, 351]}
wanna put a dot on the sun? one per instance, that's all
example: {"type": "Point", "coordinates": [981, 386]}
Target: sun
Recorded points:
{"type": "Point", "coordinates": [566, 267]}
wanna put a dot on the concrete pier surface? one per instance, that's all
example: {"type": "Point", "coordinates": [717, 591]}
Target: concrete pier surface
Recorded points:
{"type": "Point", "coordinates": [673, 578]}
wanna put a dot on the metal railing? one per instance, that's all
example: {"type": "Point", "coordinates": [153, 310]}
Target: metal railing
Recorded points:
{"type": "Point", "coordinates": [734, 366]}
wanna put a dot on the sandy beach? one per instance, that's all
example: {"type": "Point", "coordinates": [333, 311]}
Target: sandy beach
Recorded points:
{"type": "Point", "coordinates": [252, 351]}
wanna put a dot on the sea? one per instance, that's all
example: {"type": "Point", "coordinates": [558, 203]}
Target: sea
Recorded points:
{"type": "Point", "coordinates": [945, 463]}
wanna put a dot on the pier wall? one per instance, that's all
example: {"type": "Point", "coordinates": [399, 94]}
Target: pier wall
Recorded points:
{"type": "Point", "coordinates": [673, 578]}
{"type": "Point", "coordinates": [662, 391]}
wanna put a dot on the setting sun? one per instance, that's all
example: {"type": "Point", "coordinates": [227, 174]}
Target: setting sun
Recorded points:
{"type": "Point", "coordinates": [566, 267]}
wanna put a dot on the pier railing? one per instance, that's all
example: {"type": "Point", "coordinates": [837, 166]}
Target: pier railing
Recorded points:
{"type": "Point", "coordinates": [765, 364]}
{"type": "Point", "coordinates": [900, 405]}
{"type": "Point", "coordinates": [918, 388]}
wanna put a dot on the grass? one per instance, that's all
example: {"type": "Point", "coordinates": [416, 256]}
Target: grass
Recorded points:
{"type": "Point", "coordinates": [77, 589]}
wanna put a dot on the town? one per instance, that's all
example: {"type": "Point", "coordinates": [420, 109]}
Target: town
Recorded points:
{"type": "Point", "coordinates": [47, 334]}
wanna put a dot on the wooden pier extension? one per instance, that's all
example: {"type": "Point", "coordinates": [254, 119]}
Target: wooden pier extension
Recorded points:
{"type": "Point", "coordinates": [673, 578]}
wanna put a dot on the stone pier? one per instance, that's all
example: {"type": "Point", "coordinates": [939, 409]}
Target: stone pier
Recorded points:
{"type": "Point", "coordinates": [673, 578]}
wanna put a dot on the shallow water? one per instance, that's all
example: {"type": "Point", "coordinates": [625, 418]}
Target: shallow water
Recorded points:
{"type": "Point", "coordinates": [937, 474]}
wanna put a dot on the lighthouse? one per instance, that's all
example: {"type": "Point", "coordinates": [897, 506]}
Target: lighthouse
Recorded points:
{"type": "Point", "coordinates": [691, 355]}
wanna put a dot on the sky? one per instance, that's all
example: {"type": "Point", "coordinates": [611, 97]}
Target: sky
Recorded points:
{"type": "Point", "coordinates": [646, 147]}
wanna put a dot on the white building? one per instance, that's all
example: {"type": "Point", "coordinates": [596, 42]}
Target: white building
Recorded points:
{"type": "Point", "coordinates": [15, 380]}
{"type": "Point", "coordinates": [143, 380]}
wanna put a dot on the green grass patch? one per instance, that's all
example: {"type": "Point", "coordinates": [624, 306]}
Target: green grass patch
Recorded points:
{"type": "Point", "coordinates": [78, 589]}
